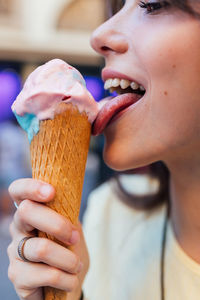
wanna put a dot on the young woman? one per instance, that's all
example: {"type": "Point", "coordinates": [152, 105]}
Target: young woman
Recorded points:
{"type": "Point", "coordinates": [138, 255]}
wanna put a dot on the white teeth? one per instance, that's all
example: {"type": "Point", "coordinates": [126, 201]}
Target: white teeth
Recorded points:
{"type": "Point", "coordinates": [113, 83]}
{"type": "Point", "coordinates": [134, 85]}
{"type": "Point", "coordinates": [142, 88]}
{"type": "Point", "coordinates": [124, 84]}
{"type": "Point", "coordinates": [108, 84]}
{"type": "Point", "coordinates": [116, 82]}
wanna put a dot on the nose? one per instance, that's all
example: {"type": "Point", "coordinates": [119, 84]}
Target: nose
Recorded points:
{"type": "Point", "coordinates": [109, 38]}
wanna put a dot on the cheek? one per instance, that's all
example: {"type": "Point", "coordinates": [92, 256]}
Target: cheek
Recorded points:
{"type": "Point", "coordinates": [173, 68]}
{"type": "Point", "coordinates": [159, 61]}
{"type": "Point", "coordinates": [173, 120]}
{"type": "Point", "coordinates": [162, 49]}
{"type": "Point", "coordinates": [174, 107]}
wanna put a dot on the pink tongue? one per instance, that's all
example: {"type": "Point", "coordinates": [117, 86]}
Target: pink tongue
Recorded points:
{"type": "Point", "coordinates": [110, 109]}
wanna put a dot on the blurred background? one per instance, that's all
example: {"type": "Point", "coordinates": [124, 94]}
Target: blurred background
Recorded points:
{"type": "Point", "coordinates": [31, 33]}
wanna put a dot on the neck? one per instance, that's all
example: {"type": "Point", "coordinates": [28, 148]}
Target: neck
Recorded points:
{"type": "Point", "coordinates": [185, 205]}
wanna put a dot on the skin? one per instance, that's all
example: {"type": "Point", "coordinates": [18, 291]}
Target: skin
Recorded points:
{"type": "Point", "coordinates": [56, 265]}
{"type": "Point", "coordinates": [163, 52]}
{"type": "Point", "coordinates": [154, 129]}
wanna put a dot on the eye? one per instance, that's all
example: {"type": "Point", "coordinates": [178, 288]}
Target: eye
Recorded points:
{"type": "Point", "coordinates": [151, 7]}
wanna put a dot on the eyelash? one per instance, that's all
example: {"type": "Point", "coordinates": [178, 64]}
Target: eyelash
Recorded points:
{"type": "Point", "coordinates": [151, 7]}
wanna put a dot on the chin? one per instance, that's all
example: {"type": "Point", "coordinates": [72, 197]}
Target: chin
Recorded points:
{"type": "Point", "coordinates": [115, 164]}
{"type": "Point", "coordinates": [122, 156]}
{"type": "Point", "coordinates": [120, 161]}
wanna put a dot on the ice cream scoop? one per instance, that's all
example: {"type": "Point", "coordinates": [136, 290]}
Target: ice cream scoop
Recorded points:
{"type": "Point", "coordinates": [57, 111]}
{"type": "Point", "coordinates": [48, 86]}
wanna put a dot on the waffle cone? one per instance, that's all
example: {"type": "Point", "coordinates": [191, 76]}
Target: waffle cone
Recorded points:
{"type": "Point", "coordinates": [58, 154]}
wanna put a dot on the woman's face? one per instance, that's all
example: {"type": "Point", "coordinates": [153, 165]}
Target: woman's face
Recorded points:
{"type": "Point", "coordinates": [161, 51]}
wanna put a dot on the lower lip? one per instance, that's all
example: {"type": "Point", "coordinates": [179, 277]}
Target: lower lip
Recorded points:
{"type": "Point", "coordinates": [113, 110]}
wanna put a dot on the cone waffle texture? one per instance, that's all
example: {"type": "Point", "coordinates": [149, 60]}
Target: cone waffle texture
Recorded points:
{"type": "Point", "coordinates": [58, 154]}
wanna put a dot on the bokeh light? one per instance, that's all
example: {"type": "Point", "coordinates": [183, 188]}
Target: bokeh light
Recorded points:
{"type": "Point", "coordinates": [96, 87]}
{"type": "Point", "coordinates": [10, 86]}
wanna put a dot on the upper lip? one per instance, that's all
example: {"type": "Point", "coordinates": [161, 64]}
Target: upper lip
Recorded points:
{"type": "Point", "coordinates": [109, 73]}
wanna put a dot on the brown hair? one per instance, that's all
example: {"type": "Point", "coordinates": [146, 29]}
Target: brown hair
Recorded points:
{"type": "Point", "coordinates": [157, 170]}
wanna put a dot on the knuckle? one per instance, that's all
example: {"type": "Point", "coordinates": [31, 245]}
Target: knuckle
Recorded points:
{"type": "Point", "coordinates": [23, 293]}
{"type": "Point", "coordinates": [9, 250]}
{"type": "Point", "coordinates": [17, 281]}
{"type": "Point", "coordinates": [74, 263]}
{"type": "Point", "coordinates": [41, 249]}
{"type": "Point", "coordinates": [11, 188]}
{"type": "Point", "coordinates": [23, 209]}
{"type": "Point", "coordinates": [36, 186]}
{"type": "Point", "coordinates": [11, 229]}
{"type": "Point", "coordinates": [55, 276]}
{"type": "Point", "coordinates": [11, 273]}
{"type": "Point", "coordinates": [60, 227]}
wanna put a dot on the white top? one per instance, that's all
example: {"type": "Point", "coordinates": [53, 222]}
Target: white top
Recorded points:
{"type": "Point", "coordinates": [125, 248]}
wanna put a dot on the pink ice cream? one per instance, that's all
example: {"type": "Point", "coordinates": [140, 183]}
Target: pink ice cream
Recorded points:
{"type": "Point", "coordinates": [50, 84]}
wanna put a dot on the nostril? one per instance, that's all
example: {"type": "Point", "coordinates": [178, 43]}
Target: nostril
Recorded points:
{"type": "Point", "coordinates": [65, 98]}
{"type": "Point", "coordinates": [104, 48]}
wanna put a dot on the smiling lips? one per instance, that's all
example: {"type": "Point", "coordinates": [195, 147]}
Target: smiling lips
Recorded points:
{"type": "Point", "coordinates": [111, 109]}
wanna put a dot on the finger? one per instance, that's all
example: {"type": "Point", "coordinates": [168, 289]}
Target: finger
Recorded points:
{"type": "Point", "coordinates": [31, 215]}
{"type": "Point", "coordinates": [36, 294]}
{"type": "Point", "coordinates": [48, 252]}
{"type": "Point", "coordinates": [24, 276]}
{"type": "Point", "coordinates": [52, 254]}
{"type": "Point", "coordinates": [28, 188]}
{"type": "Point", "coordinates": [18, 233]}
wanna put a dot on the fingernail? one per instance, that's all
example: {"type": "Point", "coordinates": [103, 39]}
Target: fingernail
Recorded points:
{"type": "Point", "coordinates": [80, 268]}
{"type": "Point", "coordinates": [75, 237]}
{"type": "Point", "coordinates": [45, 191]}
